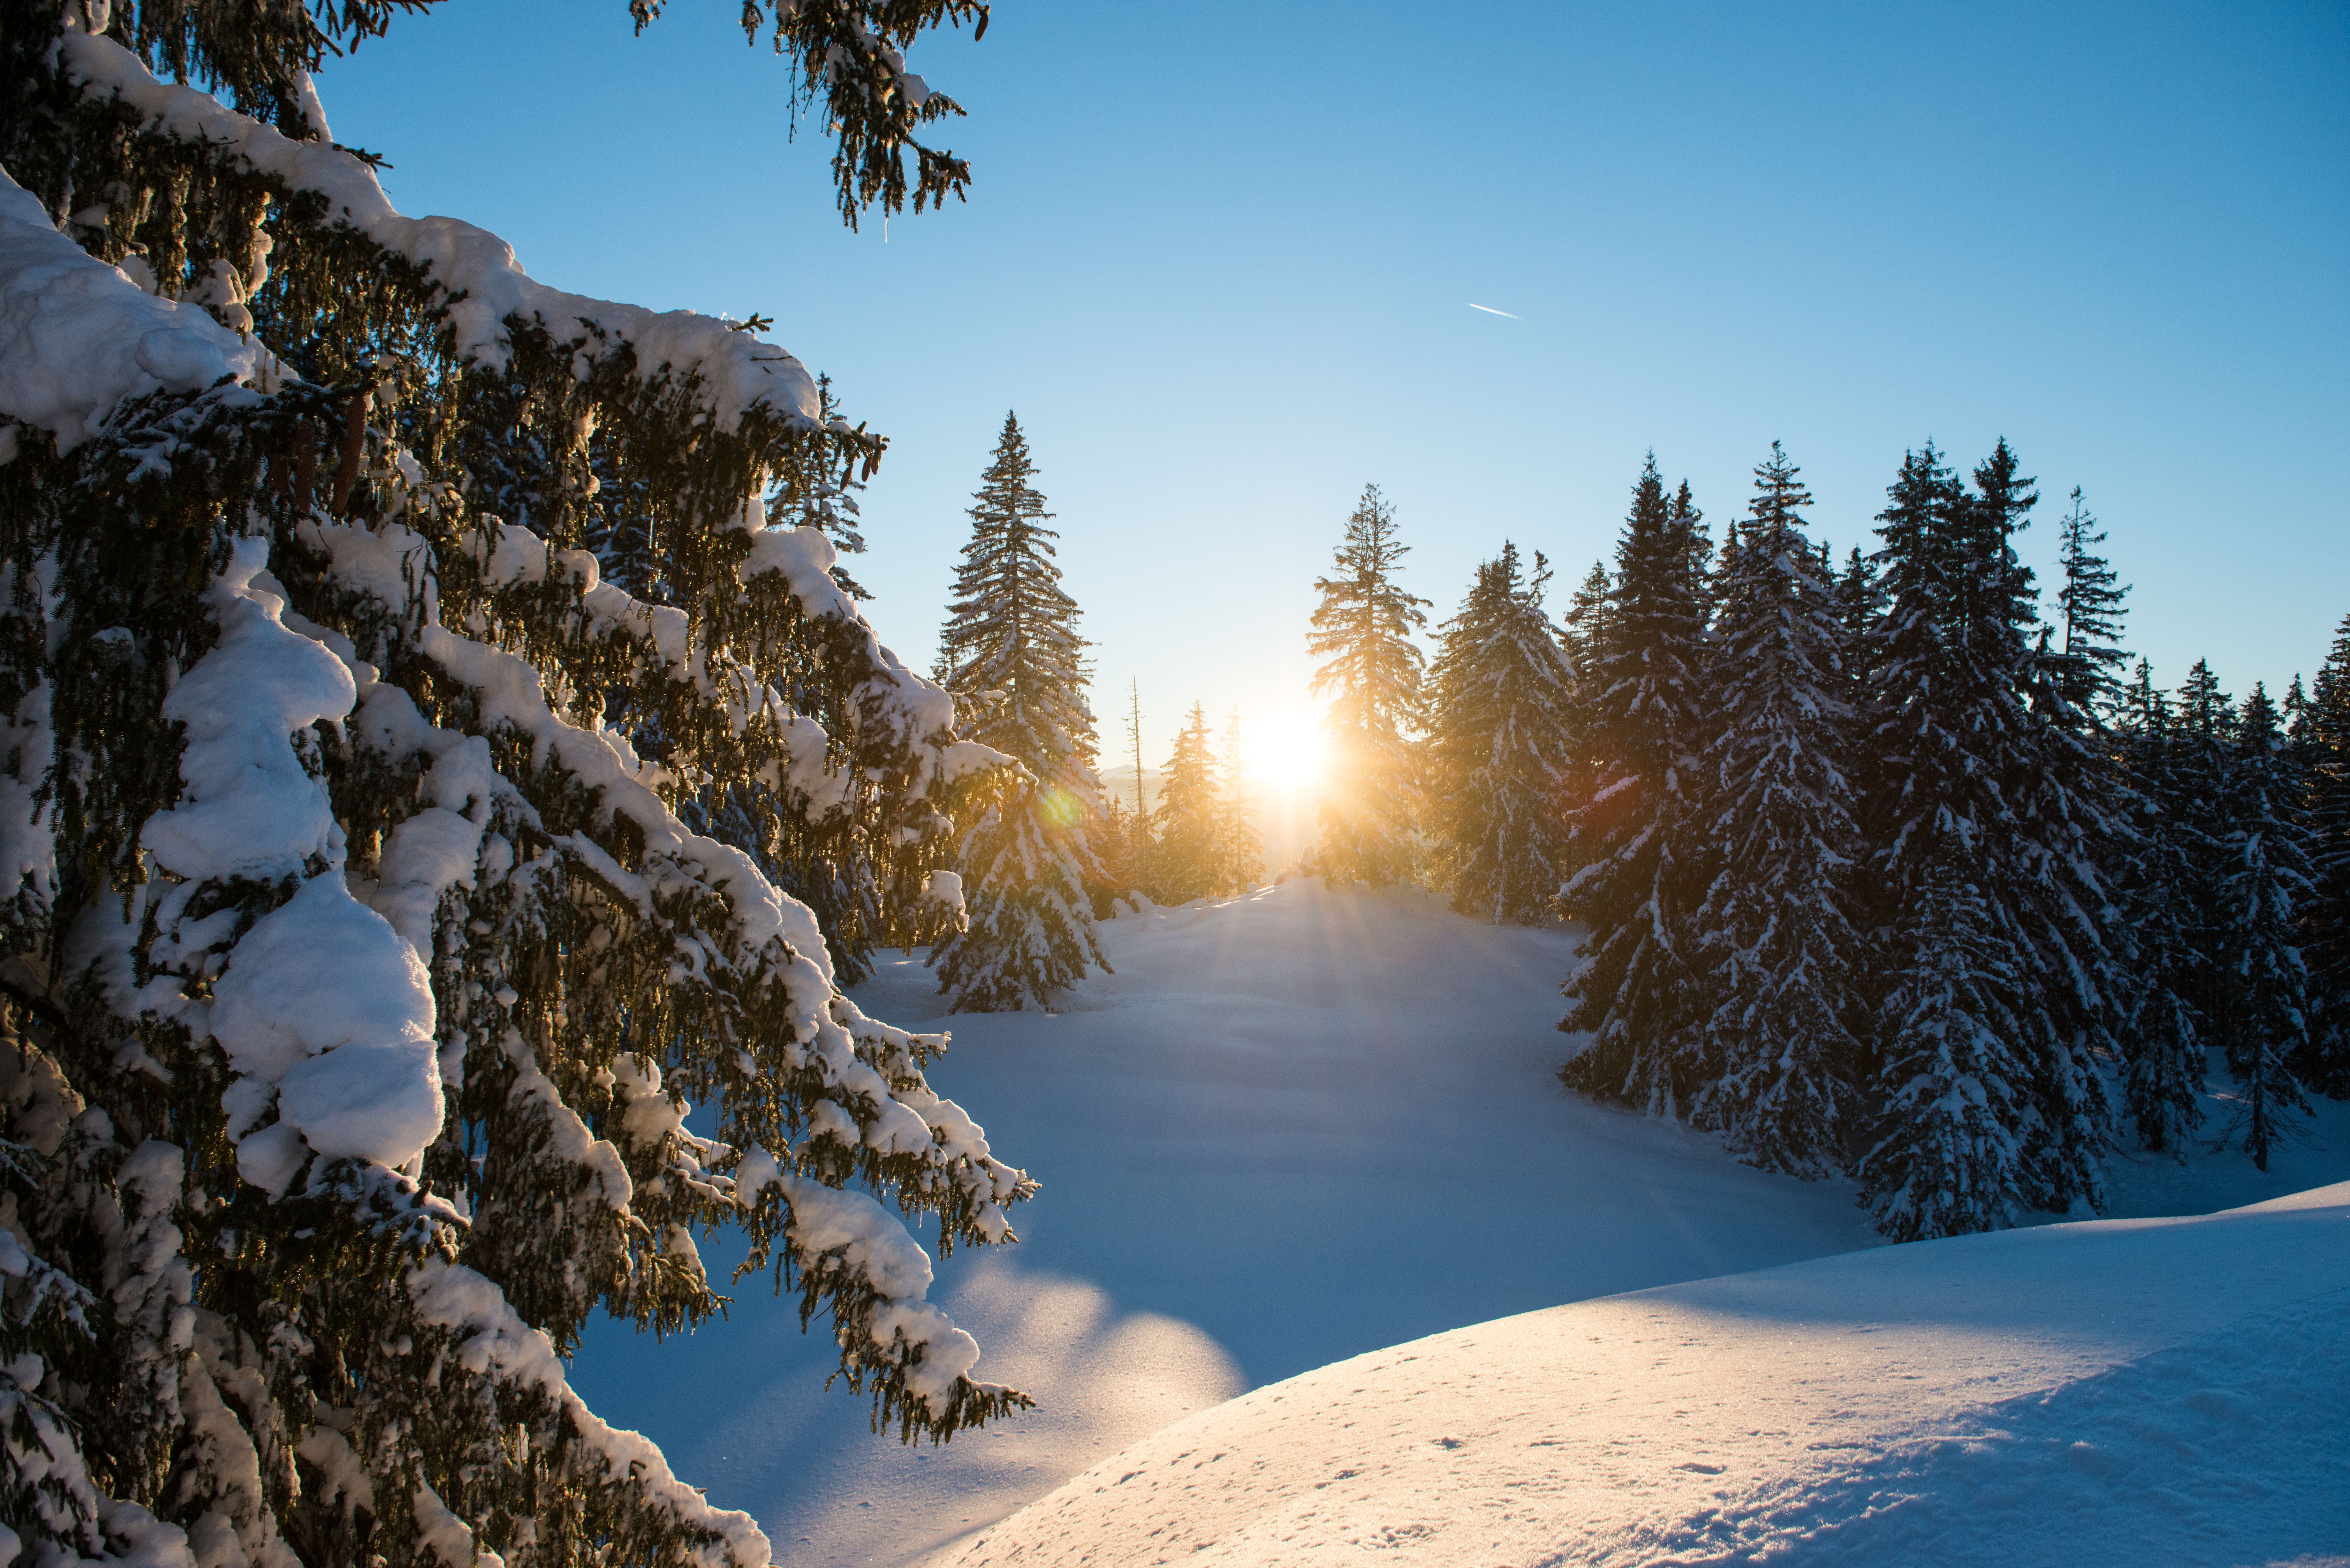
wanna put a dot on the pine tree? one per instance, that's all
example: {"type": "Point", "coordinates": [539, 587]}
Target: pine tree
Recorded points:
{"type": "Point", "coordinates": [2202, 782]}
{"type": "Point", "coordinates": [1859, 605]}
{"type": "Point", "coordinates": [1583, 630]}
{"type": "Point", "coordinates": [1240, 847]}
{"type": "Point", "coordinates": [1190, 856]}
{"type": "Point", "coordinates": [2163, 1033]}
{"type": "Point", "coordinates": [2086, 671]}
{"type": "Point", "coordinates": [1776, 952]}
{"type": "Point", "coordinates": [1949, 1135]}
{"type": "Point", "coordinates": [1014, 657]}
{"type": "Point", "coordinates": [2325, 915]}
{"type": "Point", "coordinates": [1638, 835]}
{"type": "Point", "coordinates": [1502, 699]}
{"type": "Point", "coordinates": [1120, 853]}
{"type": "Point", "coordinates": [1371, 670]}
{"type": "Point", "coordinates": [1125, 846]}
{"type": "Point", "coordinates": [1972, 770]}
{"type": "Point", "coordinates": [2262, 1022]}
{"type": "Point", "coordinates": [360, 965]}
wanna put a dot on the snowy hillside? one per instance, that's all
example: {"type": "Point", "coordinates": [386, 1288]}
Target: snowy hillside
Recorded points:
{"type": "Point", "coordinates": [1289, 1130]}
{"type": "Point", "coordinates": [2121, 1392]}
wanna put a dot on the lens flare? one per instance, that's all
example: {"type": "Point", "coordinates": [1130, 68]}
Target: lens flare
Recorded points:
{"type": "Point", "coordinates": [1061, 808]}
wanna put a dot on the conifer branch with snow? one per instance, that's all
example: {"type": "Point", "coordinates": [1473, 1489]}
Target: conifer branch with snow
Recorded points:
{"type": "Point", "coordinates": [361, 964]}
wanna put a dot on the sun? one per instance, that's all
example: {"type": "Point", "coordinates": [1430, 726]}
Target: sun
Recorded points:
{"type": "Point", "coordinates": [1286, 754]}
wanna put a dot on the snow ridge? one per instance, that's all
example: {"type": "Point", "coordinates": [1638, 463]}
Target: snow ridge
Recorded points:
{"type": "Point", "coordinates": [2107, 1393]}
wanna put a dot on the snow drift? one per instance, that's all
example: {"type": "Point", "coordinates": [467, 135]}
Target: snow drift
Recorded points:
{"type": "Point", "coordinates": [2112, 1392]}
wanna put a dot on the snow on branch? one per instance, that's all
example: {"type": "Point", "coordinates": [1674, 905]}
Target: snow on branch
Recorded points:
{"type": "Point", "coordinates": [481, 285]}
{"type": "Point", "coordinates": [76, 336]}
{"type": "Point", "coordinates": [323, 1012]}
{"type": "Point", "coordinates": [493, 1341]}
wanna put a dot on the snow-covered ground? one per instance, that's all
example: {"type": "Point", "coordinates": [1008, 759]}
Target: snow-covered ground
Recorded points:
{"type": "Point", "coordinates": [1289, 1129]}
{"type": "Point", "coordinates": [2124, 1392]}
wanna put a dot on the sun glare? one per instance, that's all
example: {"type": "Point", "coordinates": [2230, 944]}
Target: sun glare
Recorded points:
{"type": "Point", "coordinates": [1286, 754]}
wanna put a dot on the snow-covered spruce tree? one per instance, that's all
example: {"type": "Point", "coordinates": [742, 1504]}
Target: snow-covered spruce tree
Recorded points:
{"type": "Point", "coordinates": [2261, 1024]}
{"type": "Point", "coordinates": [2083, 655]}
{"type": "Point", "coordinates": [1240, 847]}
{"type": "Point", "coordinates": [1369, 815]}
{"type": "Point", "coordinates": [1583, 630]}
{"type": "Point", "coordinates": [2200, 782]}
{"type": "Point", "coordinates": [2162, 1034]}
{"type": "Point", "coordinates": [2325, 913]}
{"type": "Point", "coordinates": [1859, 605]}
{"type": "Point", "coordinates": [1638, 836]}
{"type": "Point", "coordinates": [1501, 694]}
{"type": "Point", "coordinates": [1942, 1146]}
{"type": "Point", "coordinates": [1970, 767]}
{"type": "Point", "coordinates": [1776, 952]}
{"type": "Point", "coordinates": [1012, 655]}
{"type": "Point", "coordinates": [1190, 854]}
{"type": "Point", "coordinates": [357, 970]}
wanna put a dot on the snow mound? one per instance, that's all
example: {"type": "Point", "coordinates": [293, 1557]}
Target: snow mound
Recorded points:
{"type": "Point", "coordinates": [2113, 1392]}
{"type": "Point", "coordinates": [76, 336]}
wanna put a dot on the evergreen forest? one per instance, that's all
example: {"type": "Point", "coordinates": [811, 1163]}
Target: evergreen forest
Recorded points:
{"type": "Point", "coordinates": [1884, 871]}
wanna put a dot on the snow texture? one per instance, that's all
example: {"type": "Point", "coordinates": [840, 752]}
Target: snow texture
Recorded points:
{"type": "Point", "coordinates": [476, 270]}
{"type": "Point", "coordinates": [2116, 1392]}
{"type": "Point", "coordinates": [77, 335]}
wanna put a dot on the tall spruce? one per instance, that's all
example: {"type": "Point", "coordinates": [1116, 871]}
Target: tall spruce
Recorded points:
{"type": "Point", "coordinates": [2085, 657]}
{"type": "Point", "coordinates": [1241, 846]}
{"type": "Point", "coordinates": [1860, 605]}
{"type": "Point", "coordinates": [1372, 670]}
{"type": "Point", "coordinates": [1776, 952]}
{"type": "Point", "coordinates": [1638, 836]}
{"type": "Point", "coordinates": [2163, 1032]}
{"type": "Point", "coordinates": [1191, 854]}
{"type": "Point", "coordinates": [360, 967]}
{"type": "Point", "coordinates": [1949, 1135]}
{"type": "Point", "coordinates": [1975, 782]}
{"type": "Point", "coordinates": [1013, 656]}
{"type": "Point", "coordinates": [2203, 781]}
{"type": "Point", "coordinates": [2261, 1024]}
{"type": "Point", "coordinates": [2326, 914]}
{"type": "Point", "coordinates": [1583, 630]}
{"type": "Point", "coordinates": [1500, 746]}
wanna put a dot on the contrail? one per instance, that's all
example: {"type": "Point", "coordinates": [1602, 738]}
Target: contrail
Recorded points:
{"type": "Point", "coordinates": [1490, 311]}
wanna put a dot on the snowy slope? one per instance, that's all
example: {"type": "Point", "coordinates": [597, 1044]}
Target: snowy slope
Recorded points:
{"type": "Point", "coordinates": [2121, 1392]}
{"type": "Point", "coordinates": [1290, 1128]}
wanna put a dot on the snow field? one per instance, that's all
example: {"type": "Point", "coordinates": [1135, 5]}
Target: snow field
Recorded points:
{"type": "Point", "coordinates": [2121, 1392]}
{"type": "Point", "coordinates": [1292, 1127]}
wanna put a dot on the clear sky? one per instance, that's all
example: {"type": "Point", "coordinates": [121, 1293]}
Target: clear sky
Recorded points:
{"type": "Point", "coordinates": [1220, 257]}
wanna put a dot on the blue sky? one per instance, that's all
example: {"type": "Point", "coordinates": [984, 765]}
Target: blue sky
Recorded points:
{"type": "Point", "coordinates": [1219, 256]}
